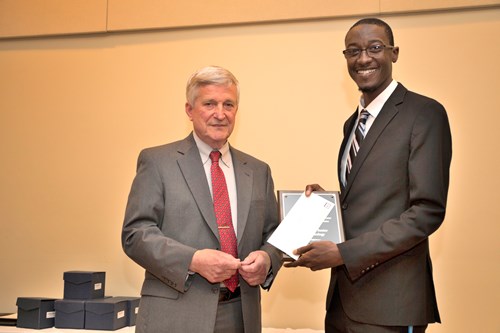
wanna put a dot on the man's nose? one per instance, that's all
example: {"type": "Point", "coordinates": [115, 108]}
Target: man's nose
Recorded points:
{"type": "Point", "coordinates": [219, 111]}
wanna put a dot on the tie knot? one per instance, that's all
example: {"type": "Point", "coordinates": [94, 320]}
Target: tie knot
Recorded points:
{"type": "Point", "coordinates": [215, 156]}
{"type": "Point", "coordinates": [364, 116]}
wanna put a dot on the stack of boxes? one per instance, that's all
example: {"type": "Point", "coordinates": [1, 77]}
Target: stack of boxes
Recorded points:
{"type": "Point", "coordinates": [84, 306]}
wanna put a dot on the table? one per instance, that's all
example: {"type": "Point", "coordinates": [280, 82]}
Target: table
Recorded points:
{"type": "Point", "coordinates": [131, 329]}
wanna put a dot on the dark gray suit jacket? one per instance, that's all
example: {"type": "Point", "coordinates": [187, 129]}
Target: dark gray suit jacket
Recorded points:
{"type": "Point", "coordinates": [170, 215]}
{"type": "Point", "coordinates": [395, 198]}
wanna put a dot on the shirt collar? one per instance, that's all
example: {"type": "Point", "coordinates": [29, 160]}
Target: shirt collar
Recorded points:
{"type": "Point", "coordinates": [205, 151]}
{"type": "Point", "coordinates": [376, 105]}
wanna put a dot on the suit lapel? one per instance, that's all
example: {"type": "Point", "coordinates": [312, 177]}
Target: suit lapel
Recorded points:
{"type": "Point", "coordinates": [349, 124]}
{"type": "Point", "coordinates": [189, 162]}
{"type": "Point", "coordinates": [244, 180]}
{"type": "Point", "coordinates": [389, 110]}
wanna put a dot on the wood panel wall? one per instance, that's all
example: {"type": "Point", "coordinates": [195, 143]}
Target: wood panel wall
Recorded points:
{"type": "Point", "coordinates": [34, 18]}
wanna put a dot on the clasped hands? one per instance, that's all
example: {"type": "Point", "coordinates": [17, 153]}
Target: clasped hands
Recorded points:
{"type": "Point", "coordinates": [317, 255]}
{"type": "Point", "coordinates": [217, 266]}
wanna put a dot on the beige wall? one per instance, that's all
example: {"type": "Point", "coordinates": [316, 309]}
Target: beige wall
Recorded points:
{"type": "Point", "coordinates": [75, 112]}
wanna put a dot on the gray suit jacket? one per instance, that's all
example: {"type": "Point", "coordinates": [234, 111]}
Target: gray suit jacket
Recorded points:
{"type": "Point", "coordinates": [170, 215]}
{"type": "Point", "coordinates": [395, 198]}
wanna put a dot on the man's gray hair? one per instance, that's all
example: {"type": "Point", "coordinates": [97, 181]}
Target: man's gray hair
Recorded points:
{"type": "Point", "coordinates": [210, 75]}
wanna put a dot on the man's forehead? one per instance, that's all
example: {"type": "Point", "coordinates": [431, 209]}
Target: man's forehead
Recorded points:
{"type": "Point", "coordinates": [366, 32]}
{"type": "Point", "coordinates": [217, 92]}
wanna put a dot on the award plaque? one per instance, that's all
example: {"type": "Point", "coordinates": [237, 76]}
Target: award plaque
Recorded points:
{"type": "Point", "coordinates": [331, 229]}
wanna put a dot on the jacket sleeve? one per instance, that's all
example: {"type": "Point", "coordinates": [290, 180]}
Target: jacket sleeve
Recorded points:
{"type": "Point", "coordinates": [270, 225]}
{"type": "Point", "coordinates": [142, 238]}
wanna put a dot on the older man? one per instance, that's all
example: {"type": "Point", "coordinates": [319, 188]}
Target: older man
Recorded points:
{"type": "Point", "coordinates": [197, 220]}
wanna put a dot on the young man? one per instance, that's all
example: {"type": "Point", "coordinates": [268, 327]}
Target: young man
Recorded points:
{"type": "Point", "coordinates": [393, 170]}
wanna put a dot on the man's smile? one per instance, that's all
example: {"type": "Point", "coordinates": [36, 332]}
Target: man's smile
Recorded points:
{"type": "Point", "coordinates": [366, 72]}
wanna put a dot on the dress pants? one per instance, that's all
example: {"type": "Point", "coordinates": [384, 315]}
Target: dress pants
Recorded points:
{"type": "Point", "coordinates": [229, 317]}
{"type": "Point", "coordinates": [337, 321]}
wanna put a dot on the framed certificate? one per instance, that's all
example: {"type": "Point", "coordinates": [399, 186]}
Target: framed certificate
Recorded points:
{"type": "Point", "coordinates": [331, 229]}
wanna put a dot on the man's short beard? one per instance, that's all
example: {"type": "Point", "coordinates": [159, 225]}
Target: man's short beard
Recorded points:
{"type": "Point", "coordinates": [367, 89]}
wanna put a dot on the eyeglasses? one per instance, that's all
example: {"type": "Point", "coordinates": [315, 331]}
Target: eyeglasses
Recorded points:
{"type": "Point", "coordinates": [372, 51]}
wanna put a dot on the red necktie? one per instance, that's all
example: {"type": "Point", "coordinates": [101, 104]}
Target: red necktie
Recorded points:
{"type": "Point", "coordinates": [222, 210]}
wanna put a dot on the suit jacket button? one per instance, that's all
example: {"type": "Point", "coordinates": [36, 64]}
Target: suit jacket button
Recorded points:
{"type": "Point", "coordinates": [215, 290]}
{"type": "Point", "coordinates": [344, 206]}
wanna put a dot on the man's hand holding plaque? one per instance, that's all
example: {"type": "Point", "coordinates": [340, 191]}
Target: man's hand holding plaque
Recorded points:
{"type": "Point", "coordinates": [307, 218]}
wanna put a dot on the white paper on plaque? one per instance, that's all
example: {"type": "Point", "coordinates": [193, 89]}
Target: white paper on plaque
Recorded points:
{"type": "Point", "coordinates": [301, 223]}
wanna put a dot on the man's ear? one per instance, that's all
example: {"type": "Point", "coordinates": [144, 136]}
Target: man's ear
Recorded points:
{"type": "Point", "coordinates": [395, 53]}
{"type": "Point", "coordinates": [189, 111]}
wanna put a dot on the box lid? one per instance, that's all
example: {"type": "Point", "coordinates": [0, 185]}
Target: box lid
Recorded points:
{"type": "Point", "coordinates": [79, 277]}
{"type": "Point", "coordinates": [69, 306]}
{"type": "Point", "coordinates": [32, 303]}
{"type": "Point", "coordinates": [104, 305]}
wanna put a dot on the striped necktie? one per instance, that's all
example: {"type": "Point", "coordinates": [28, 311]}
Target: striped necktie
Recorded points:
{"type": "Point", "coordinates": [359, 135]}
